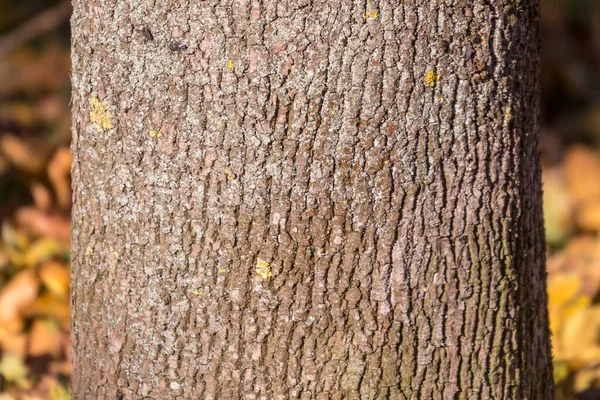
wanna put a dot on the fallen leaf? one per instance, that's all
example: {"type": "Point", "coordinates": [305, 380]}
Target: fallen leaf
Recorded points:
{"type": "Point", "coordinates": [580, 338]}
{"type": "Point", "coordinates": [40, 223]}
{"type": "Point", "coordinates": [44, 338]}
{"type": "Point", "coordinates": [22, 154]}
{"type": "Point", "coordinates": [12, 368]}
{"type": "Point", "coordinates": [13, 342]}
{"type": "Point", "coordinates": [18, 294]}
{"type": "Point", "coordinates": [13, 238]}
{"type": "Point", "coordinates": [582, 169]}
{"type": "Point", "coordinates": [59, 172]}
{"type": "Point", "coordinates": [40, 251]}
{"type": "Point", "coordinates": [48, 305]}
{"type": "Point", "coordinates": [55, 276]}
{"type": "Point", "coordinates": [558, 208]}
{"type": "Point", "coordinates": [588, 216]}
{"type": "Point", "coordinates": [41, 196]}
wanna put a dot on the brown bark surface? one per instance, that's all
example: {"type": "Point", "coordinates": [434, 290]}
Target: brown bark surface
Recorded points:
{"type": "Point", "coordinates": [312, 199]}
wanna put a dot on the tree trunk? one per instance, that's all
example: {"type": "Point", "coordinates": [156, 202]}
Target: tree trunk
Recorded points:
{"type": "Point", "coordinates": [307, 199]}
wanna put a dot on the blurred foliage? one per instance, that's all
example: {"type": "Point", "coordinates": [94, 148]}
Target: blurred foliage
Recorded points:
{"type": "Point", "coordinates": [570, 82]}
{"type": "Point", "coordinates": [34, 211]}
{"type": "Point", "coordinates": [35, 201]}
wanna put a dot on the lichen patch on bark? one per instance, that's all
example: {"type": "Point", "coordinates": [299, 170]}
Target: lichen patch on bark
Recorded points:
{"type": "Point", "coordinates": [263, 268]}
{"type": "Point", "coordinates": [99, 115]}
{"type": "Point", "coordinates": [431, 78]}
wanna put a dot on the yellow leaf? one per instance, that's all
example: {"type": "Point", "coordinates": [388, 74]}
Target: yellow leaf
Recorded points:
{"type": "Point", "coordinates": [55, 276]}
{"type": "Point", "coordinates": [38, 252]}
{"type": "Point", "coordinates": [48, 305]}
{"type": "Point", "coordinates": [558, 207]}
{"type": "Point", "coordinates": [43, 250]}
{"type": "Point", "coordinates": [12, 368]}
{"type": "Point", "coordinates": [14, 238]}
{"type": "Point", "coordinates": [580, 342]}
{"type": "Point", "coordinates": [60, 393]}
{"type": "Point", "coordinates": [561, 371]}
{"type": "Point", "coordinates": [562, 288]}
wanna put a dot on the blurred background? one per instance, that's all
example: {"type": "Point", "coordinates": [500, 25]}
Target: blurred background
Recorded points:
{"type": "Point", "coordinates": [35, 195]}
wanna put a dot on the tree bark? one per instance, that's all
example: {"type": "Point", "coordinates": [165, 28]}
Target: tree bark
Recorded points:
{"type": "Point", "coordinates": [312, 199]}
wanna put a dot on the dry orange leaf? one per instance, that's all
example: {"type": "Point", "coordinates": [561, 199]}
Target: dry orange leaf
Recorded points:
{"type": "Point", "coordinates": [48, 305]}
{"type": "Point", "coordinates": [41, 196]}
{"type": "Point", "coordinates": [44, 338]}
{"type": "Point", "coordinates": [18, 294]}
{"type": "Point", "coordinates": [12, 325]}
{"type": "Point", "coordinates": [588, 216]}
{"type": "Point", "coordinates": [13, 342]}
{"type": "Point", "coordinates": [562, 289]}
{"type": "Point", "coordinates": [56, 277]}
{"type": "Point", "coordinates": [581, 256]}
{"type": "Point", "coordinates": [21, 154]}
{"type": "Point", "coordinates": [59, 172]}
{"type": "Point", "coordinates": [582, 167]}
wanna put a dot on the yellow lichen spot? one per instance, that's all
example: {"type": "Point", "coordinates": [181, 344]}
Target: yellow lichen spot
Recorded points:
{"type": "Point", "coordinates": [99, 115]}
{"type": "Point", "coordinates": [116, 253]}
{"type": "Point", "coordinates": [508, 114]}
{"type": "Point", "coordinates": [228, 173]}
{"type": "Point", "coordinates": [222, 270]}
{"type": "Point", "coordinates": [386, 162]}
{"type": "Point", "coordinates": [373, 14]}
{"type": "Point", "coordinates": [431, 78]}
{"type": "Point", "coordinates": [156, 134]}
{"type": "Point", "coordinates": [263, 268]}
{"type": "Point", "coordinates": [230, 65]}
{"type": "Point", "coordinates": [483, 42]}
{"type": "Point", "coordinates": [197, 292]}
{"type": "Point", "coordinates": [89, 251]}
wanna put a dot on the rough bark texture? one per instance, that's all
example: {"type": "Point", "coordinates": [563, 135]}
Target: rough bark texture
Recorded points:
{"type": "Point", "coordinates": [377, 160]}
